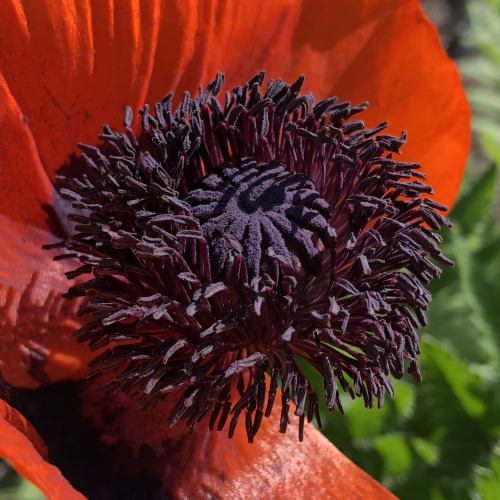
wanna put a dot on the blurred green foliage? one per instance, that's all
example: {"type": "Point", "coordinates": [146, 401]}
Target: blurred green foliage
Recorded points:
{"type": "Point", "coordinates": [12, 487]}
{"type": "Point", "coordinates": [482, 73]}
{"type": "Point", "coordinates": [440, 439]}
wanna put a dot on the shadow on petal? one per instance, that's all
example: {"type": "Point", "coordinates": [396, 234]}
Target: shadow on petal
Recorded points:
{"type": "Point", "coordinates": [36, 337]}
{"type": "Point", "coordinates": [97, 440]}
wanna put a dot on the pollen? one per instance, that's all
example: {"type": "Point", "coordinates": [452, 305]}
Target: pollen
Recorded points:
{"type": "Point", "coordinates": [261, 207]}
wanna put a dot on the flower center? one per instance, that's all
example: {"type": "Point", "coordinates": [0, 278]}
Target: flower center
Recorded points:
{"type": "Point", "coordinates": [246, 237]}
{"type": "Point", "coordinates": [263, 208]}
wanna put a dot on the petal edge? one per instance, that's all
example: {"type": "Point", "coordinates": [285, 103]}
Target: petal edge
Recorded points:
{"type": "Point", "coordinates": [24, 449]}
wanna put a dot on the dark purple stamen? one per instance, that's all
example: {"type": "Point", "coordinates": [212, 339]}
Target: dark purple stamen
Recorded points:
{"type": "Point", "coordinates": [234, 239]}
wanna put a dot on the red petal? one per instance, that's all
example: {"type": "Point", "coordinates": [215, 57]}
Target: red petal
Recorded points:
{"type": "Point", "coordinates": [99, 56]}
{"type": "Point", "coordinates": [106, 448]}
{"type": "Point", "coordinates": [401, 69]}
{"type": "Point", "coordinates": [275, 466]}
{"type": "Point", "coordinates": [209, 464]}
{"type": "Point", "coordinates": [24, 449]}
{"type": "Point", "coordinates": [73, 66]}
{"type": "Point", "coordinates": [240, 38]}
{"type": "Point", "coordinates": [24, 186]}
{"type": "Point", "coordinates": [362, 50]}
{"type": "Point", "coordinates": [36, 341]}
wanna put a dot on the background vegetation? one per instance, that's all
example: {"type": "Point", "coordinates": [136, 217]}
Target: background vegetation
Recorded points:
{"type": "Point", "coordinates": [440, 440]}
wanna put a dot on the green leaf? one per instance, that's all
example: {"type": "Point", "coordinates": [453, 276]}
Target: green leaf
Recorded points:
{"type": "Point", "coordinates": [426, 450]}
{"type": "Point", "coordinates": [395, 452]}
{"type": "Point", "coordinates": [457, 374]}
{"type": "Point", "coordinates": [489, 133]}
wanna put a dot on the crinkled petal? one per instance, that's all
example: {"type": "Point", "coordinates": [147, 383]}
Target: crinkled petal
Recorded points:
{"type": "Point", "coordinates": [24, 449]}
{"type": "Point", "coordinates": [36, 341]}
{"type": "Point", "coordinates": [74, 65]}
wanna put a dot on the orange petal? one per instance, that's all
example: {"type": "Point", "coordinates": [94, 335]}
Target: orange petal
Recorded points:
{"type": "Point", "coordinates": [24, 187]}
{"type": "Point", "coordinates": [73, 65]}
{"type": "Point", "coordinates": [36, 342]}
{"type": "Point", "coordinates": [99, 56]}
{"type": "Point", "coordinates": [409, 81]}
{"type": "Point", "coordinates": [24, 449]}
{"type": "Point", "coordinates": [240, 38]}
{"type": "Point", "coordinates": [275, 466]}
{"type": "Point", "coordinates": [277, 463]}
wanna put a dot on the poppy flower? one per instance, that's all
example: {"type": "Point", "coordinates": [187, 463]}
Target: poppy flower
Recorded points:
{"type": "Point", "coordinates": [66, 68]}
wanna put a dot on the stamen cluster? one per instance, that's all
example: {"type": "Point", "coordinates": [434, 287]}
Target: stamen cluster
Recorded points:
{"type": "Point", "coordinates": [230, 241]}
